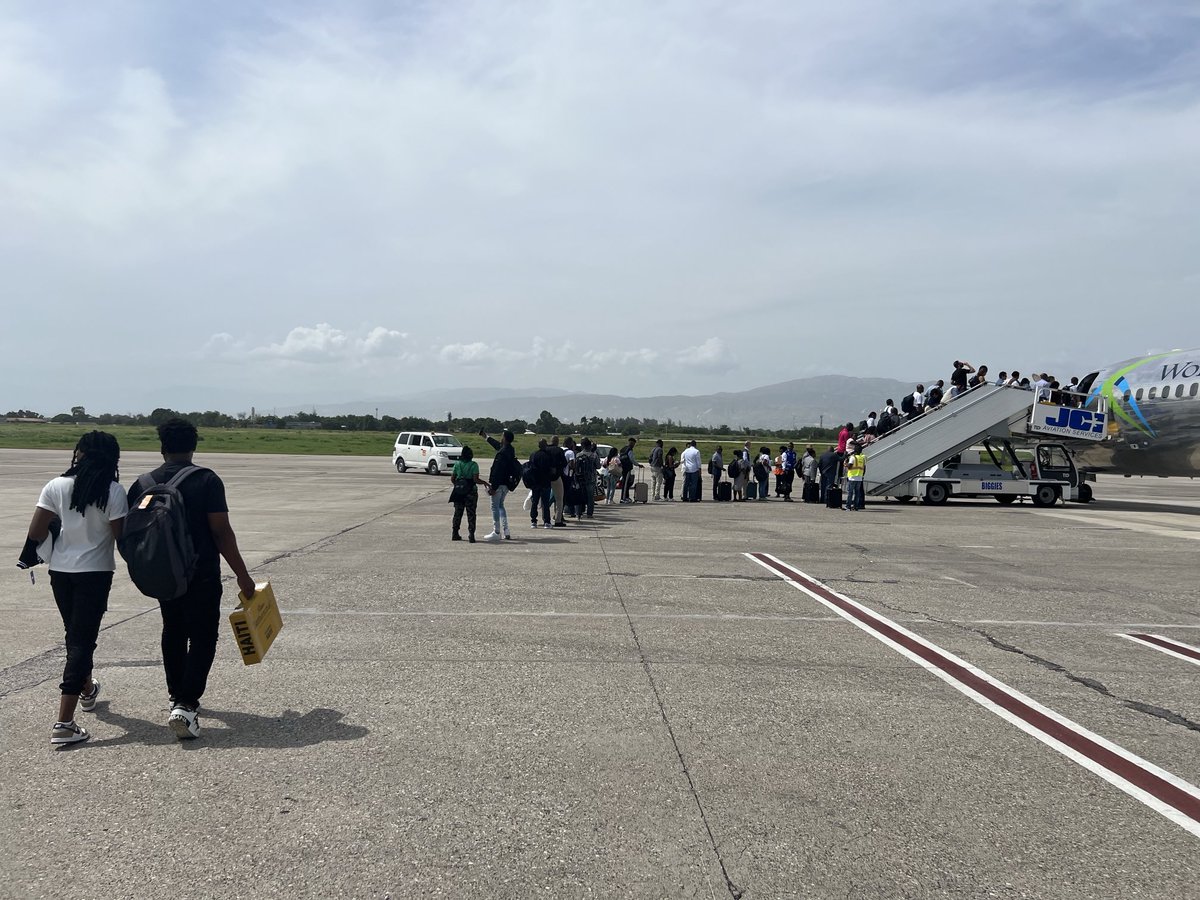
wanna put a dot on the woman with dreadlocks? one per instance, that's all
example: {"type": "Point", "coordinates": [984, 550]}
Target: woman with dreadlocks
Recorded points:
{"type": "Point", "coordinates": [90, 507]}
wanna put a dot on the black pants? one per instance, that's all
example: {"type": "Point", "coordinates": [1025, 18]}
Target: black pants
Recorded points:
{"type": "Point", "coordinates": [789, 476]}
{"type": "Point", "coordinates": [626, 483]}
{"type": "Point", "coordinates": [189, 638]}
{"type": "Point", "coordinates": [669, 483]}
{"type": "Point", "coordinates": [468, 504]}
{"type": "Point", "coordinates": [716, 481]}
{"type": "Point", "coordinates": [541, 495]}
{"type": "Point", "coordinates": [82, 599]}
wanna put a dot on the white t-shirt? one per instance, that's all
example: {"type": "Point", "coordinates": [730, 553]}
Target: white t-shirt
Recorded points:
{"type": "Point", "coordinates": [86, 542]}
{"type": "Point", "coordinates": [690, 459]}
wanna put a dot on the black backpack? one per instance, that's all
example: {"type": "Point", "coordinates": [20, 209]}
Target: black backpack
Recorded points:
{"type": "Point", "coordinates": [734, 468]}
{"type": "Point", "coordinates": [585, 465]}
{"type": "Point", "coordinates": [529, 476]}
{"type": "Point", "coordinates": [906, 405]}
{"type": "Point", "coordinates": [157, 541]}
{"type": "Point", "coordinates": [626, 462]}
{"type": "Point", "coordinates": [515, 473]}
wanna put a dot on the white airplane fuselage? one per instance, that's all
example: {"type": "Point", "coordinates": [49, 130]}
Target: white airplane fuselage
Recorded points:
{"type": "Point", "coordinates": [1153, 417]}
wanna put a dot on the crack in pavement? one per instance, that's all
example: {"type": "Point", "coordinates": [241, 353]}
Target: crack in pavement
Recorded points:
{"type": "Point", "coordinates": [1092, 684]}
{"type": "Point", "coordinates": [734, 891]}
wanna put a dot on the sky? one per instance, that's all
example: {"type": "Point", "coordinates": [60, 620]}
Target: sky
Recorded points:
{"type": "Point", "coordinates": [228, 205]}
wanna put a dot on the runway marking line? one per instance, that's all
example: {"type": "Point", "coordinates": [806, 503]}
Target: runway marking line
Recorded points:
{"type": "Point", "coordinates": [1166, 645]}
{"type": "Point", "coordinates": [1165, 793]}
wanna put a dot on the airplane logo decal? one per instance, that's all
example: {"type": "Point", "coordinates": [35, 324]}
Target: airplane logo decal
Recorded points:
{"type": "Point", "coordinates": [1114, 389]}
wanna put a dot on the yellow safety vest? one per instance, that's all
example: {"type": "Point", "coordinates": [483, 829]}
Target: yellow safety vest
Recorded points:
{"type": "Point", "coordinates": [858, 468]}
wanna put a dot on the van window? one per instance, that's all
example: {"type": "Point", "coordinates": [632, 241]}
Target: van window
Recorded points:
{"type": "Point", "coordinates": [426, 441]}
{"type": "Point", "coordinates": [446, 440]}
{"type": "Point", "coordinates": [404, 438]}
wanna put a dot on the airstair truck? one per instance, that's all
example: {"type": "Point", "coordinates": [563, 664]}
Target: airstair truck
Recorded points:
{"type": "Point", "coordinates": [997, 471]}
{"type": "Point", "coordinates": [923, 457]}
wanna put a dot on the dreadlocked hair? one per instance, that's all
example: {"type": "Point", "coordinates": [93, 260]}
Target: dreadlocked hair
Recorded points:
{"type": "Point", "coordinates": [94, 469]}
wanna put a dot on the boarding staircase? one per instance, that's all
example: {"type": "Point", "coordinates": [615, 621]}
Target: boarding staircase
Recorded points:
{"type": "Point", "coordinates": [984, 412]}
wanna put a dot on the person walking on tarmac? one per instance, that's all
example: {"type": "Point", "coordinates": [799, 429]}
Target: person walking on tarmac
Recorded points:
{"type": "Point", "coordinates": [78, 517]}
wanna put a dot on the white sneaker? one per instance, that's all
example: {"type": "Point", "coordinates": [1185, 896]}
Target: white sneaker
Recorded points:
{"type": "Point", "coordinates": [184, 722]}
{"type": "Point", "coordinates": [492, 537]}
{"type": "Point", "coordinates": [67, 733]}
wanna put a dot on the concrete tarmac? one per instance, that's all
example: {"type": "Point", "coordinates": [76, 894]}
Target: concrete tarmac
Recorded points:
{"type": "Point", "coordinates": [625, 707]}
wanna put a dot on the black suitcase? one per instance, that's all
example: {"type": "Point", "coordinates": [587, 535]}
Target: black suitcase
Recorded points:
{"type": "Point", "coordinates": [833, 497]}
{"type": "Point", "coordinates": [724, 490]}
{"type": "Point", "coordinates": [811, 492]}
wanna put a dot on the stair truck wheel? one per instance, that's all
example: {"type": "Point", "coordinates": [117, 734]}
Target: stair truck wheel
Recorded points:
{"type": "Point", "coordinates": [936, 493]}
{"type": "Point", "coordinates": [1006, 499]}
{"type": "Point", "coordinates": [1045, 495]}
{"type": "Point", "coordinates": [1085, 493]}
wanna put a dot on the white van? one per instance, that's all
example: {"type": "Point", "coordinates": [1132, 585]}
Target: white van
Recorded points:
{"type": "Point", "coordinates": [427, 451]}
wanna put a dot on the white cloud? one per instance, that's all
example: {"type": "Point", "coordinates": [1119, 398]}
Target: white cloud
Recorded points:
{"type": "Point", "coordinates": [480, 354]}
{"type": "Point", "coordinates": [316, 345]}
{"type": "Point", "coordinates": [711, 357]}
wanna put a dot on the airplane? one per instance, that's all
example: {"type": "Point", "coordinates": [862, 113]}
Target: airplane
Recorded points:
{"type": "Point", "coordinates": [1153, 416]}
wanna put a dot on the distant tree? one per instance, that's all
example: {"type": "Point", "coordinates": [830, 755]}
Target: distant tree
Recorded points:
{"type": "Point", "coordinates": [79, 414]}
{"type": "Point", "coordinates": [547, 423]}
{"type": "Point", "coordinates": [162, 414]}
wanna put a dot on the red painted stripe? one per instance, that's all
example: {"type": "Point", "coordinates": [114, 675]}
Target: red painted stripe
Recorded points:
{"type": "Point", "coordinates": [1181, 649]}
{"type": "Point", "coordinates": [1149, 782]}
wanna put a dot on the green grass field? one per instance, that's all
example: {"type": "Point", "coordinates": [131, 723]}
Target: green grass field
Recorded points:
{"type": "Point", "coordinates": [314, 443]}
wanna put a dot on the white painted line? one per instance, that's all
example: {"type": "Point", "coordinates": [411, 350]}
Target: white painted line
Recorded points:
{"type": "Point", "coordinates": [1169, 646]}
{"type": "Point", "coordinates": [959, 580]}
{"type": "Point", "coordinates": [1097, 518]}
{"type": "Point", "coordinates": [1162, 791]}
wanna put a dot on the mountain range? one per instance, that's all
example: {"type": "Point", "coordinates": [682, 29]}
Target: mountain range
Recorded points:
{"type": "Point", "coordinates": [788, 404]}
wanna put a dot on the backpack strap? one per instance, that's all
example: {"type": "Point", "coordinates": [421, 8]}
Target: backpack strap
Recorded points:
{"type": "Point", "coordinates": [180, 475]}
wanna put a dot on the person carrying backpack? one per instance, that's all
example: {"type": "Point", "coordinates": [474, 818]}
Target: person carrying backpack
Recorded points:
{"type": "Point", "coordinates": [627, 464]}
{"type": "Point", "coordinates": [504, 477]}
{"type": "Point", "coordinates": [191, 620]}
{"type": "Point", "coordinates": [78, 517]}
{"type": "Point", "coordinates": [587, 464]}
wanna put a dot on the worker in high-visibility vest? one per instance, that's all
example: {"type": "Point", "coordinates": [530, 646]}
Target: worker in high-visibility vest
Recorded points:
{"type": "Point", "coordinates": [856, 470]}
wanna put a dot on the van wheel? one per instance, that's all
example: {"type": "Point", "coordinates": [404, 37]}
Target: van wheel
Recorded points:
{"type": "Point", "coordinates": [936, 493]}
{"type": "Point", "coordinates": [1006, 499]}
{"type": "Point", "coordinates": [433, 467]}
{"type": "Point", "coordinates": [1045, 495]}
{"type": "Point", "coordinates": [400, 466]}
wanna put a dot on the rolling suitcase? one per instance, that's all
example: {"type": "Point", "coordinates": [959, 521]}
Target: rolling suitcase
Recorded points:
{"type": "Point", "coordinates": [641, 490]}
{"type": "Point", "coordinates": [724, 490]}
{"type": "Point", "coordinates": [811, 492]}
{"type": "Point", "coordinates": [833, 497]}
